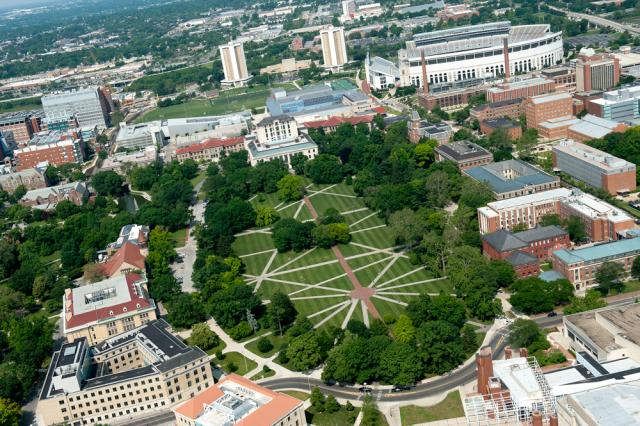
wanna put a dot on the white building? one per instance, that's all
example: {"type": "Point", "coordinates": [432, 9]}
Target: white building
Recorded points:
{"type": "Point", "coordinates": [352, 11]}
{"type": "Point", "coordinates": [86, 105]}
{"type": "Point", "coordinates": [137, 136]}
{"type": "Point", "coordinates": [278, 137]}
{"type": "Point", "coordinates": [234, 64]}
{"type": "Point", "coordinates": [187, 131]}
{"type": "Point", "coordinates": [334, 48]}
{"type": "Point", "coordinates": [469, 55]}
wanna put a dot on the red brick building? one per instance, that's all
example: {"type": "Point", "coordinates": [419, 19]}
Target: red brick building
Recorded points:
{"type": "Point", "coordinates": [464, 153]}
{"type": "Point", "coordinates": [512, 129]}
{"type": "Point", "coordinates": [596, 72]}
{"type": "Point", "coordinates": [547, 107]}
{"type": "Point", "coordinates": [210, 149]}
{"type": "Point", "coordinates": [511, 108]}
{"type": "Point", "coordinates": [48, 198]}
{"type": "Point", "coordinates": [56, 153]}
{"type": "Point", "coordinates": [332, 123]}
{"type": "Point", "coordinates": [525, 249]}
{"type": "Point", "coordinates": [18, 126]}
{"type": "Point", "coordinates": [520, 89]}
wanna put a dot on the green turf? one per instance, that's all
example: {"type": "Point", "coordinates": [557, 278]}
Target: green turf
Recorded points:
{"type": "Point", "coordinates": [242, 364]}
{"type": "Point", "coordinates": [450, 408]}
{"type": "Point", "coordinates": [253, 243]}
{"type": "Point", "coordinates": [322, 202]}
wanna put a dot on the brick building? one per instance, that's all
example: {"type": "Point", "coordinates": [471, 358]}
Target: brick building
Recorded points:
{"type": "Point", "coordinates": [513, 178]}
{"type": "Point", "coordinates": [563, 76]}
{"type": "Point", "coordinates": [418, 129]}
{"type": "Point", "coordinates": [48, 198]}
{"type": "Point", "coordinates": [55, 146]}
{"type": "Point", "coordinates": [596, 71]}
{"type": "Point", "coordinates": [464, 153]}
{"type": "Point", "coordinates": [513, 130]}
{"type": "Point", "coordinates": [18, 126]}
{"type": "Point", "coordinates": [594, 167]}
{"type": "Point", "coordinates": [107, 308]}
{"type": "Point", "coordinates": [127, 259]}
{"type": "Point", "coordinates": [546, 107]}
{"type": "Point", "coordinates": [520, 89]}
{"type": "Point", "coordinates": [525, 249]}
{"type": "Point", "coordinates": [511, 108]}
{"type": "Point", "coordinates": [580, 266]}
{"type": "Point", "coordinates": [210, 149]}
{"type": "Point", "coordinates": [29, 178]}
{"type": "Point", "coordinates": [332, 123]}
{"type": "Point", "coordinates": [591, 127]}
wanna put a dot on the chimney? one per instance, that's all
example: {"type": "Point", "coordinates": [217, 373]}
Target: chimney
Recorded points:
{"type": "Point", "coordinates": [425, 82]}
{"type": "Point", "coordinates": [553, 420]}
{"type": "Point", "coordinates": [524, 353]}
{"type": "Point", "coordinates": [508, 352]}
{"type": "Point", "coordinates": [536, 419]}
{"type": "Point", "coordinates": [484, 364]}
{"type": "Point", "coordinates": [505, 51]}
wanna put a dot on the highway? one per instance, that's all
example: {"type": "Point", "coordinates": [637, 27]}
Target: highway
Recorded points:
{"type": "Point", "coordinates": [597, 20]}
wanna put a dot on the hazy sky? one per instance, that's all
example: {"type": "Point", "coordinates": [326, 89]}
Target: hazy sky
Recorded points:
{"type": "Point", "coordinates": [16, 4]}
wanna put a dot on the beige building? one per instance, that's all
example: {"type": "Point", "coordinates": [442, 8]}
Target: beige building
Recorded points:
{"type": "Point", "coordinates": [334, 48]}
{"type": "Point", "coordinates": [134, 374]}
{"type": "Point", "coordinates": [29, 178]}
{"type": "Point", "coordinates": [288, 65]}
{"type": "Point", "coordinates": [234, 64]}
{"type": "Point", "coordinates": [236, 400]}
{"type": "Point", "coordinates": [107, 308]}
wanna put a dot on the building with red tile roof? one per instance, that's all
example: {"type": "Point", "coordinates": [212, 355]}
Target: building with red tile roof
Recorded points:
{"type": "Point", "coordinates": [210, 149]}
{"type": "Point", "coordinates": [100, 310]}
{"type": "Point", "coordinates": [127, 259]}
{"type": "Point", "coordinates": [332, 123]}
{"type": "Point", "coordinates": [239, 401]}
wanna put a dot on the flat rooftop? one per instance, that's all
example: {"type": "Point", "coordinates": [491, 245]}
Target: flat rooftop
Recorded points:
{"type": "Point", "coordinates": [551, 97]}
{"type": "Point", "coordinates": [520, 84]}
{"type": "Point", "coordinates": [463, 150]}
{"type": "Point", "coordinates": [510, 175]}
{"type": "Point", "coordinates": [600, 159]}
{"type": "Point", "coordinates": [593, 208]}
{"type": "Point", "coordinates": [134, 131]}
{"type": "Point", "coordinates": [612, 405]}
{"type": "Point", "coordinates": [537, 198]}
{"type": "Point", "coordinates": [597, 253]}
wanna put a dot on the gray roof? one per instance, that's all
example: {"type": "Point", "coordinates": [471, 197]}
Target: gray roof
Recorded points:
{"type": "Point", "coordinates": [272, 118]}
{"type": "Point", "coordinates": [525, 175]}
{"type": "Point", "coordinates": [34, 194]}
{"type": "Point", "coordinates": [541, 233]}
{"type": "Point", "coordinates": [519, 258]}
{"type": "Point", "coordinates": [610, 251]}
{"type": "Point", "coordinates": [503, 240]}
{"type": "Point", "coordinates": [463, 150]}
{"type": "Point", "coordinates": [501, 123]}
{"type": "Point", "coordinates": [498, 104]}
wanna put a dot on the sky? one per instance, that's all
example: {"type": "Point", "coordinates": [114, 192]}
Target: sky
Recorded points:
{"type": "Point", "coordinates": [18, 4]}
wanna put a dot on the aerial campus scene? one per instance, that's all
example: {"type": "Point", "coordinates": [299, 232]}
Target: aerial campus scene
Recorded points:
{"type": "Point", "coordinates": [288, 213]}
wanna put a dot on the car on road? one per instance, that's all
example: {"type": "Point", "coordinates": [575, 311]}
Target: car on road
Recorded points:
{"type": "Point", "coordinates": [179, 280]}
{"type": "Point", "coordinates": [400, 388]}
{"type": "Point", "coordinates": [365, 389]}
{"type": "Point", "coordinates": [552, 314]}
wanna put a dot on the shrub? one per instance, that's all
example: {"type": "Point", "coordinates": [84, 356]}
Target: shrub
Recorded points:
{"type": "Point", "coordinates": [240, 331]}
{"type": "Point", "coordinates": [220, 355]}
{"type": "Point", "coordinates": [232, 367]}
{"type": "Point", "coordinates": [264, 345]}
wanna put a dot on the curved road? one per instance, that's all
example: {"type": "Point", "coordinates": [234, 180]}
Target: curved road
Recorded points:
{"type": "Point", "coordinates": [598, 20]}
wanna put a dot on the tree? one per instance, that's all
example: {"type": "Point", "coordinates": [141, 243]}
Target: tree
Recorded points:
{"type": "Point", "coordinates": [289, 234]}
{"type": "Point", "coordinates": [203, 337]}
{"type": "Point", "coordinates": [635, 268]}
{"type": "Point", "coordinates": [19, 192]}
{"type": "Point", "coordinates": [370, 414]}
{"type": "Point", "coordinates": [331, 405]}
{"type": "Point", "coordinates": [10, 412]}
{"type": "Point", "coordinates": [475, 194]}
{"type": "Point", "coordinates": [185, 310]}
{"type": "Point", "coordinates": [575, 228]}
{"type": "Point", "coordinates": [469, 338]}
{"type": "Point", "coordinates": [108, 183]}
{"type": "Point", "coordinates": [298, 163]}
{"type": "Point", "coordinates": [329, 235]}
{"type": "Point", "coordinates": [550, 219]}
{"type": "Point", "coordinates": [325, 168]}
{"type": "Point", "coordinates": [400, 364]}
{"type": "Point", "coordinates": [281, 311]}
{"type": "Point", "coordinates": [266, 216]}
{"type": "Point", "coordinates": [523, 333]}
{"type": "Point", "coordinates": [403, 330]}
{"type": "Point", "coordinates": [532, 295]}
{"type": "Point", "coordinates": [317, 399]}
{"type": "Point", "coordinates": [229, 305]}
{"type": "Point", "coordinates": [304, 352]}
{"type": "Point", "coordinates": [407, 227]}
{"type": "Point", "coordinates": [609, 276]}
{"type": "Point", "coordinates": [591, 300]}
{"type": "Point", "coordinates": [291, 188]}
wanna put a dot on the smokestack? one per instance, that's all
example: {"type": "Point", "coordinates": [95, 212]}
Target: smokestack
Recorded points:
{"type": "Point", "coordinates": [425, 82]}
{"type": "Point", "coordinates": [484, 364]}
{"type": "Point", "coordinates": [553, 420]}
{"type": "Point", "coordinates": [524, 352]}
{"type": "Point", "coordinates": [505, 51]}
{"type": "Point", "coordinates": [536, 419]}
{"type": "Point", "coordinates": [508, 352]}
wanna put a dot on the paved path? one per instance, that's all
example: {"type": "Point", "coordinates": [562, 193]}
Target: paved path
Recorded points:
{"type": "Point", "coordinates": [359, 292]}
{"type": "Point", "coordinates": [598, 20]}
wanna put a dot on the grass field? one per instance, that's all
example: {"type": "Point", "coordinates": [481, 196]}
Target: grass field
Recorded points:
{"type": "Point", "coordinates": [297, 394]}
{"type": "Point", "coordinates": [243, 364]}
{"type": "Point", "coordinates": [340, 418]}
{"type": "Point", "coordinates": [229, 101]}
{"type": "Point", "coordinates": [449, 408]}
{"type": "Point", "coordinates": [314, 279]}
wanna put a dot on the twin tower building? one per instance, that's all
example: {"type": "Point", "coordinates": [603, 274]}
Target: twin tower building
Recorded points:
{"type": "Point", "coordinates": [334, 54]}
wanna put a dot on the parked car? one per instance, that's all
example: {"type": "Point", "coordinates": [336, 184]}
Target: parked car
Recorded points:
{"type": "Point", "coordinates": [552, 314]}
{"type": "Point", "coordinates": [365, 389]}
{"type": "Point", "coordinates": [400, 388]}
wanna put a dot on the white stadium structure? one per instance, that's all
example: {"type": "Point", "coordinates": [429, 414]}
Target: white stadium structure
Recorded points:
{"type": "Point", "coordinates": [465, 56]}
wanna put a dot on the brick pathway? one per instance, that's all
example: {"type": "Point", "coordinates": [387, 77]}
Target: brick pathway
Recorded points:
{"type": "Point", "coordinates": [359, 292]}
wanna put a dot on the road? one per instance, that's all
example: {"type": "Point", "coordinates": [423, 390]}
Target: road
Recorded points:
{"type": "Point", "coordinates": [598, 20]}
{"type": "Point", "coordinates": [441, 385]}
